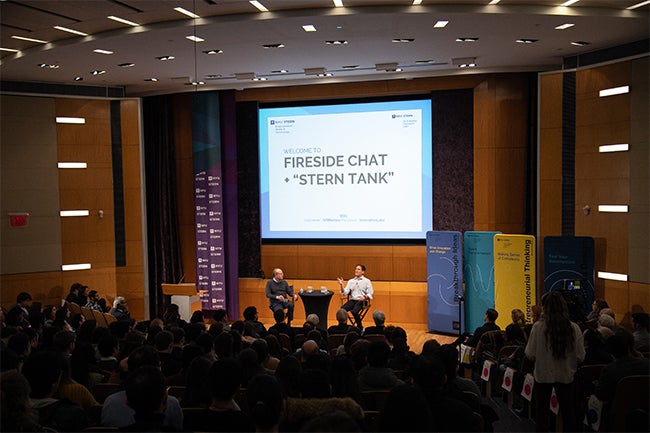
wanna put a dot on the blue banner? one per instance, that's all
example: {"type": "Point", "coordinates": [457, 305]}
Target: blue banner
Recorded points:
{"type": "Point", "coordinates": [444, 281]}
{"type": "Point", "coordinates": [569, 266]}
{"type": "Point", "coordinates": [479, 276]}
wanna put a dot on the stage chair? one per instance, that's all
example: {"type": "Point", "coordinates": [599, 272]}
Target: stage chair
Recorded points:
{"type": "Point", "coordinates": [362, 313]}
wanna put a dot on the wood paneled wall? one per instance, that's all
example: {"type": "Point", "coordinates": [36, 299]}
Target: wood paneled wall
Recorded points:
{"type": "Point", "coordinates": [92, 239]}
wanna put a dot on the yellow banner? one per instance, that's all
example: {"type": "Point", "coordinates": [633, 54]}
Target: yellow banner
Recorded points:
{"type": "Point", "coordinates": [514, 276]}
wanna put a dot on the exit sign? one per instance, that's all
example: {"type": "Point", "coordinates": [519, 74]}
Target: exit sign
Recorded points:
{"type": "Point", "coordinates": [18, 219]}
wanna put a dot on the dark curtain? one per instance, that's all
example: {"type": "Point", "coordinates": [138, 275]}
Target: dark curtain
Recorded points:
{"type": "Point", "coordinates": [165, 265]}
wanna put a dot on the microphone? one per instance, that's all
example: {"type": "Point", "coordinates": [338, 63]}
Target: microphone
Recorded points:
{"type": "Point", "coordinates": [181, 280]}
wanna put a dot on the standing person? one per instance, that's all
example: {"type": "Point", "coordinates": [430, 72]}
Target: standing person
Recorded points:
{"type": "Point", "coordinates": [280, 294]}
{"type": "Point", "coordinates": [360, 290]}
{"type": "Point", "coordinates": [556, 346]}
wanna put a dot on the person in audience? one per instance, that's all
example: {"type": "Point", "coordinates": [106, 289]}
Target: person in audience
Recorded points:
{"type": "Point", "coordinates": [288, 373]}
{"type": "Point", "coordinates": [379, 318]}
{"type": "Point", "coordinates": [77, 294]}
{"type": "Point", "coordinates": [535, 315]}
{"type": "Point", "coordinates": [172, 316]}
{"type": "Point", "coordinates": [490, 318]}
{"type": "Point", "coordinates": [20, 345]}
{"type": "Point", "coordinates": [377, 374]}
{"type": "Point", "coordinates": [401, 356]}
{"type": "Point", "coordinates": [556, 345]}
{"type": "Point", "coordinates": [251, 316]}
{"type": "Point", "coordinates": [280, 294]}
{"type": "Point", "coordinates": [309, 349]}
{"type": "Point", "coordinates": [264, 399]}
{"type": "Point", "coordinates": [360, 292]}
{"type": "Point", "coordinates": [343, 378]}
{"type": "Point", "coordinates": [336, 421]}
{"type": "Point", "coordinates": [606, 325]}
{"type": "Point", "coordinates": [315, 321]}
{"type": "Point", "coordinates": [170, 363]}
{"type": "Point", "coordinates": [342, 327]}
{"type": "Point", "coordinates": [116, 412]}
{"type": "Point", "coordinates": [625, 364]}
{"type": "Point", "coordinates": [406, 410]}
{"type": "Point", "coordinates": [221, 316]}
{"type": "Point", "coordinates": [595, 350]}
{"type": "Point", "coordinates": [146, 395]}
{"type": "Point", "coordinates": [516, 331]}
{"type": "Point", "coordinates": [61, 318]}
{"type": "Point", "coordinates": [268, 362]}
{"type": "Point", "coordinates": [596, 307]}
{"type": "Point", "coordinates": [108, 348]}
{"type": "Point", "coordinates": [280, 327]}
{"type": "Point", "coordinates": [18, 415]}
{"type": "Point", "coordinates": [120, 309]}
{"type": "Point", "coordinates": [73, 391]}
{"type": "Point", "coordinates": [223, 414]}
{"type": "Point", "coordinates": [43, 370]}
{"type": "Point", "coordinates": [18, 315]}
{"type": "Point", "coordinates": [197, 390]}
{"type": "Point", "coordinates": [93, 301]}
{"type": "Point", "coordinates": [641, 337]}
{"type": "Point", "coordinates": [275, 347]}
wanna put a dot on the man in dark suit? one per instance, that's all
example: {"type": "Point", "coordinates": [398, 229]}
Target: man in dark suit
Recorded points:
{"type": "Point", "coordinates": [490, 317]}
{"type": "Point", "coordinates": [280, 294]}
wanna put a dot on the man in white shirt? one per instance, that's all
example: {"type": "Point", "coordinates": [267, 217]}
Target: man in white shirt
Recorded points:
{"type": "Point", "coordinates": [360, 291]}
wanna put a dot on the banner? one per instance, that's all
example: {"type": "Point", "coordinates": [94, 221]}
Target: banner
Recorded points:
{"type": "Point", "coordinates": [479, 276]}
{"type": "Point", "coordinates": [444, 281]}
{"type": "Point", "coordinates": [569, 266]}
{"type": "Point", "coordinates": [514, 276]}
{"type": "Point", "coordinates": [208, 204]}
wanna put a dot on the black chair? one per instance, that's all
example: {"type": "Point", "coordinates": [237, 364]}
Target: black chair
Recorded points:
{"type": "Point", "coordinates": [362, 313]}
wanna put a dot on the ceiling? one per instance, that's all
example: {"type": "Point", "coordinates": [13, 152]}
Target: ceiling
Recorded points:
{"type": "Point", "coordinates": [238, 29]}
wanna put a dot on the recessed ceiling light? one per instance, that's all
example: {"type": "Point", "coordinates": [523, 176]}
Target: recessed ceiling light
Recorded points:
{"type": "Point", "coordinates": [314, 71]}
{"type": "Point", "coordinates": [126, 65]}
{"type": "Point", "coordinates": [151, 79]}
{"type": "Point", "coordinates": [259, 79]}
{"type": "Point", "coordinates": [424, 62]}
{"type": "Point", "coordinates": [350, 66]}
{"type": "Point", "coordinates": [464, 62]}
{"type": "Point", "coordinates": [98, 72]}
{"type": "Point", "coordinates": [441, 24]}
{"type": "Point", "coordinates": [123, 21]}
{"type": "Point", "coordinates": [569, 2]}
{"type": "Point", "coordinates": [65, 29]}
{"type": "Point", "coordinates": [100, 51]}
{"type": "Point", "coordinates": [280, 71]}
{"type": "Point", "coordinates": [195, 83]}
{"type": "Point", "coordinates": [78, 78]}
{"type": "Point", "coordinates": [9, 50]}
{"type": "Point", "coordinates": [194, 38]}
{"type": "Point", "coordinates": [309, 28]}
{"type": "Point", "coordinates": [269, 46]}
{"type": "Point", "coordinates": [566, 25]}
{"type": "Point", "coordinates": [466, 39]}
{"type": "Point", "coordinates": [339, 42]}
{"type": "Point", "coordinates": [22, 38]}
{"type": "Point", "coordinates": [338, 3]}
{"type": "Point", "coordinates": [638, 5]}
{"type": "Point", "coordinates": [244, 75]}
{"type": "Point", "coordinates": [388, 67]}
{"type": "Point", "coordinates": [526, 41]}
{"type": "Point", "coordinates": [260, 7]}
{"type": "Point", "coordinates": [213, 76]}
{"type": "Point", "coordinates": [326, 74]}
{"type": "Point", "coordinates": [493, 2]}
{"type": "Point", "coordinates": [211, 52]}
{"type": "Point", "coordinates": [48, 66]}
{"type": "Point", "coordinates": [580, 43]}
{"type": "Point", "coordinates": [403, 40]}
{"type": "Point", "coordinates": [164, 58]}
{"type": "Point", "coordinates": [186, 12]}
{"type": "Point", "coordinates": [417, 2]}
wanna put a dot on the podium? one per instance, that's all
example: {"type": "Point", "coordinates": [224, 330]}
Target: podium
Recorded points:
{"type": "Point", "coordinates": [185, 296]}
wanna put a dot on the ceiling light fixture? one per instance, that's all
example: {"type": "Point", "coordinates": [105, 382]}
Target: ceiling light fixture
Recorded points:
{"type": "Point", "coordinates": [71, 120]}
{"type": "Point", "coordinates": [212, 76]}
{"type": "Point", "coordinates": [259, 78]}
{"type": "Point", "coordinates": [165, 58]}
{"type": "Point", "coordinates": [76, 267]}
{"type": "Point", "coordinates": [186, 12]}
{"type": "Point", "coordinates": [326, 74]}
{"type": "Point", "coordinates": [269, 46]}
{"type": "Point", "coordinates": [212, 52]}
{"type": "Point", "coordinates": [493, 2]}
{"type": "Point", "coordinates": [78, 78]}
{"type": "Point", "coordinates": [194, 38]}
{"type": "Point", "coordinates": [338, 3]}
{"type": "Point", "coordinates": [122, 20]}
{"type": "Point", "coordinates": [9, 50]}
{"type": "Point", "coordinates": [566, 25]}
{"type": "Point", "coordinates": [22, 38]}
{"type": "Point", "coordinates": [259, 6]}
{"type": "Point", "coordinates": [403, 40]}
{"type": "Point", "coordinates": [417, 2]}
{"type": "Point", "coordinates": [614, 91]}
{"type": "Point", "coordinates": [526, 41]}
{"type": "Point", "coordinates": [464, 62]}
{"type": "Point", "coordinates": [280, 71]}
{"type": "Point", "coordinates": [638, 5]}
{"type": "Point", "coordinates": [424, 62]}
{"type": "Point", "coordinates": [441, 24]}
{"type": "Point", "coordinates": [580, 43]}
{"type": "Point", "coordinates": [98, 72]}
{"type": "Point", "coordinates": [244, 75]}
{"type": "Point", "coordinates": [466, 39]}
{"type": "Point", "coordinates": [607, 148]}
{"type": "Point", "coordinates": [314, 71]}
{"type": "Point", "coordinates": [126, 65]}
{"type": "Point", "coordinates": [75, 32]}
{"type": "Point", "coordinates": [65, 165]}
{"type": "Point", "coordinates": [388, 67]}
{"type": "Point", "coordinates": [350, 66]}
{"type": "Point", "coordinates": [48, 66]}
{"type": "Point", "coordinates": [309, 28]}
{"type": "Point", "coordinates": [196, 83]}
{"type": "Point", "coordinates": [569, 2]}
{"type": "Point", "coordinates": [100, 51]}
{"type": "Point", "coordinates": [152, 79]}
{"type": "Point", "coordinates": [339, 42]}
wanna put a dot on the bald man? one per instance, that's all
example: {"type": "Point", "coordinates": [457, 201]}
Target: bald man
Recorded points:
{"type": "Point", "coordinates": [280, 294]}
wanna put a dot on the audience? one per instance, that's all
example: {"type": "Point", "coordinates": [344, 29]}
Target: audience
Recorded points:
{"type": "Point", "coordinates": [77, 294]}
{"type": "Point", "coordinates": [120, 310]}
{"type": "Point", "coordinates": [596, 307]}
{"type": "Point", "coordinates": [146, 395]}
{"type": "Point", "coordinates": [641, 337]}
{"type": "Point", "coordinates": [379, 318]}
{"type": "Point", "coordinates": [490, 318]}
{"type": "Point", "coordinates": [342, 327]}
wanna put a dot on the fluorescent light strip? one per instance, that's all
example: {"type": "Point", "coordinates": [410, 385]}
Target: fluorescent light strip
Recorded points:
{"type": "Point", "coordinates": [75, 120]}
{"type": "Point", "coordinates": [614, 91]}
{"type": "Point", "coordinates": [440, 24]}
{"type": "Point", "coordinates": [259, 6]}
{"type": "Point", "coordinates": [75, 267]}
{"type": "Point", "coordinates": [38, 41]}
{"type": "Point", "coordinates": [309, 28]}
{"type": "Point", "coordinates": [186, 12]}
{"type": "Point", "coordinates": [9, 50]}
{"type": "Point", "coordinates": [338, 3]}
{"type": "Point", "coordinates": [493, 2]}
{"type": "Point", "coordinates": [417, 2]}
{"type": "Point", "coordinates": [638, 5]}
{"type": "Point", "coordinates": [612, 276]}
{"type": "Point", "coordinates": [194, 38]}
{"type": "Point", "coordinates": [569, 2]}
{"type": "Point", "coordinates": [614, 148]}
{"type": "Point", "coordinates": [74, 213]}
{"type": "Point", "coordinates": [72, 165]}
{"type": "Point", "coordinates": [75, 32]}
{"type": "Point", "coordinates": [564, 26]}
{"type": "Point", "coordinates": [123, 21]}
{"type": "Point", "coordinates": [100, 51]}
{"type": "Point", "coordinates": [615, 208]}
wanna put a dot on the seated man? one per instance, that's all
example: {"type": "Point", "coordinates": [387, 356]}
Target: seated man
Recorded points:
{"type": "Point", "coordinates": [360, 291]}
{"type": "Point", "coordinates": [280, 294]}
{"type": "Point", "coordinates": [342, 327]}
{"type": "Point", "coordinates": [379, 318]}
{"type": "Point", "coordinates": [490, 318]}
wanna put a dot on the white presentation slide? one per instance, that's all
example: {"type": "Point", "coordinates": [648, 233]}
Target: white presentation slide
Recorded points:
{"type": "Point", "coordinates": [350, 171]}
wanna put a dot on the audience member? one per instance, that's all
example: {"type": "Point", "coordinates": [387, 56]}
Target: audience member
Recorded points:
{"type": "Point", "coordinates": [93, 301]}
{"type": "Point", "coordinates": [77, 294]}
{"type": "Point", "coordinates": [288, 373]}
{"type": "Point", "coordinates": [606, 325]}
{"type": "Point", "coordinates": [490, 318]}
{"type": "Point", "coordinates": [641, 336]}
{"type": "Point", "coordinates": [376, 375]}
{"type": "Point", "coordinates": [280, 327]}
{"type": "Point", "coordinates": [264, 397]}
{"type": "Point", "coordinates": [18, 415]}
{"type": "Point", "coordinates": [18, 315]}
{"type": "Point", "coordinates": [336, 421]}
{"type": "Point", "coordinates": [342, 327]}
{"type": "Point", "coordinates": [379, 318]}
{"type": "Point", "coordinates": [197, 389]}
{"type": "Point", "coordinates": [596, 307]}
{"type": "Point", "coordinates": [172, 316]}
{"type": "Point", "coordinates": [251, 316]}
{"type": "Point", "coordinates": [120, 310]}
{"type": "Point", "coordinates": [406, 410]}
{"type": "Point", "coordinates": [146, 395]}
{"type": "Point", "coordinates": [221, 316]}
{"type": "Point", "coordinates": [516, 331]}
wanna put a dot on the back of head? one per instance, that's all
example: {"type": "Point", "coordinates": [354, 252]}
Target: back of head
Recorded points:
{"type": "Point", "coordinates": [224, 378]}
{"type": "Point", "coordinates": [492, 314]}
{"type": "Point", "coordinates": [22, 297]}
{"type": "Point", "coordinates": [141, 356]}
{"type": "Point", "coordinates": [261, 347]}
{"type": "Point", "coordinates": [617, 346]}
{"type": "Point", "coordinates": [336, 421]}
{"type": "Point", "coordinates": [641, 320]}
{"type": "Point", "coordinates": [378, 353]}
{"type": "Point", "coordinates": [313, 319]}
{"type": "Point", "coordinates": [163, 340]}
{"type": "Point", "coordinates": [119, 300]}
{"type": "Point", "coordinates": [559, 332]}
{"type": "Point", "coordinates": [407, 410]}
{"type": "Point", "coordinates": [43, 371]}
{"type": "Point", "coordinates": [264, 397]}
{"type": "Point", "coordinates": [314, 383]}
{"type": "Point", "coordinates": [341, 316]}
{"type": "Point", "coordinates": [107, 345]}
{"type": "Point", "coordinates": [608, 312]}
{"type": "Point", "coordinates": [379, 317]}
{"type": "Point", "coordinates": [428, 374]}
{"type": "Point", "coordinates": [145, 390]}
{"type": "Point", "coordinates": [430, 348]}
{"type": "Point", "coordinates": [250, 313]}
{"type": "Point", "coordinates": [63, 340]}
{"type": "Point", "coordinates": [220, 315]}
{"type": "Point", "coordinates": [278, 315]}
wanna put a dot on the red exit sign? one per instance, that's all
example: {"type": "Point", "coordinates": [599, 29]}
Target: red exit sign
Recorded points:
{"type": "Point", "coordinates": [18, 219]}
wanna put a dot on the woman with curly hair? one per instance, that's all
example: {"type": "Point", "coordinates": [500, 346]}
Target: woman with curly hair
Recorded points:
{"type": "Point", "coordinates": [556, 346]}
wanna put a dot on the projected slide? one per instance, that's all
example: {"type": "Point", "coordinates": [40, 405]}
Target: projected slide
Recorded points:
{"type": "Point", "coordinates": [346, 171]}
